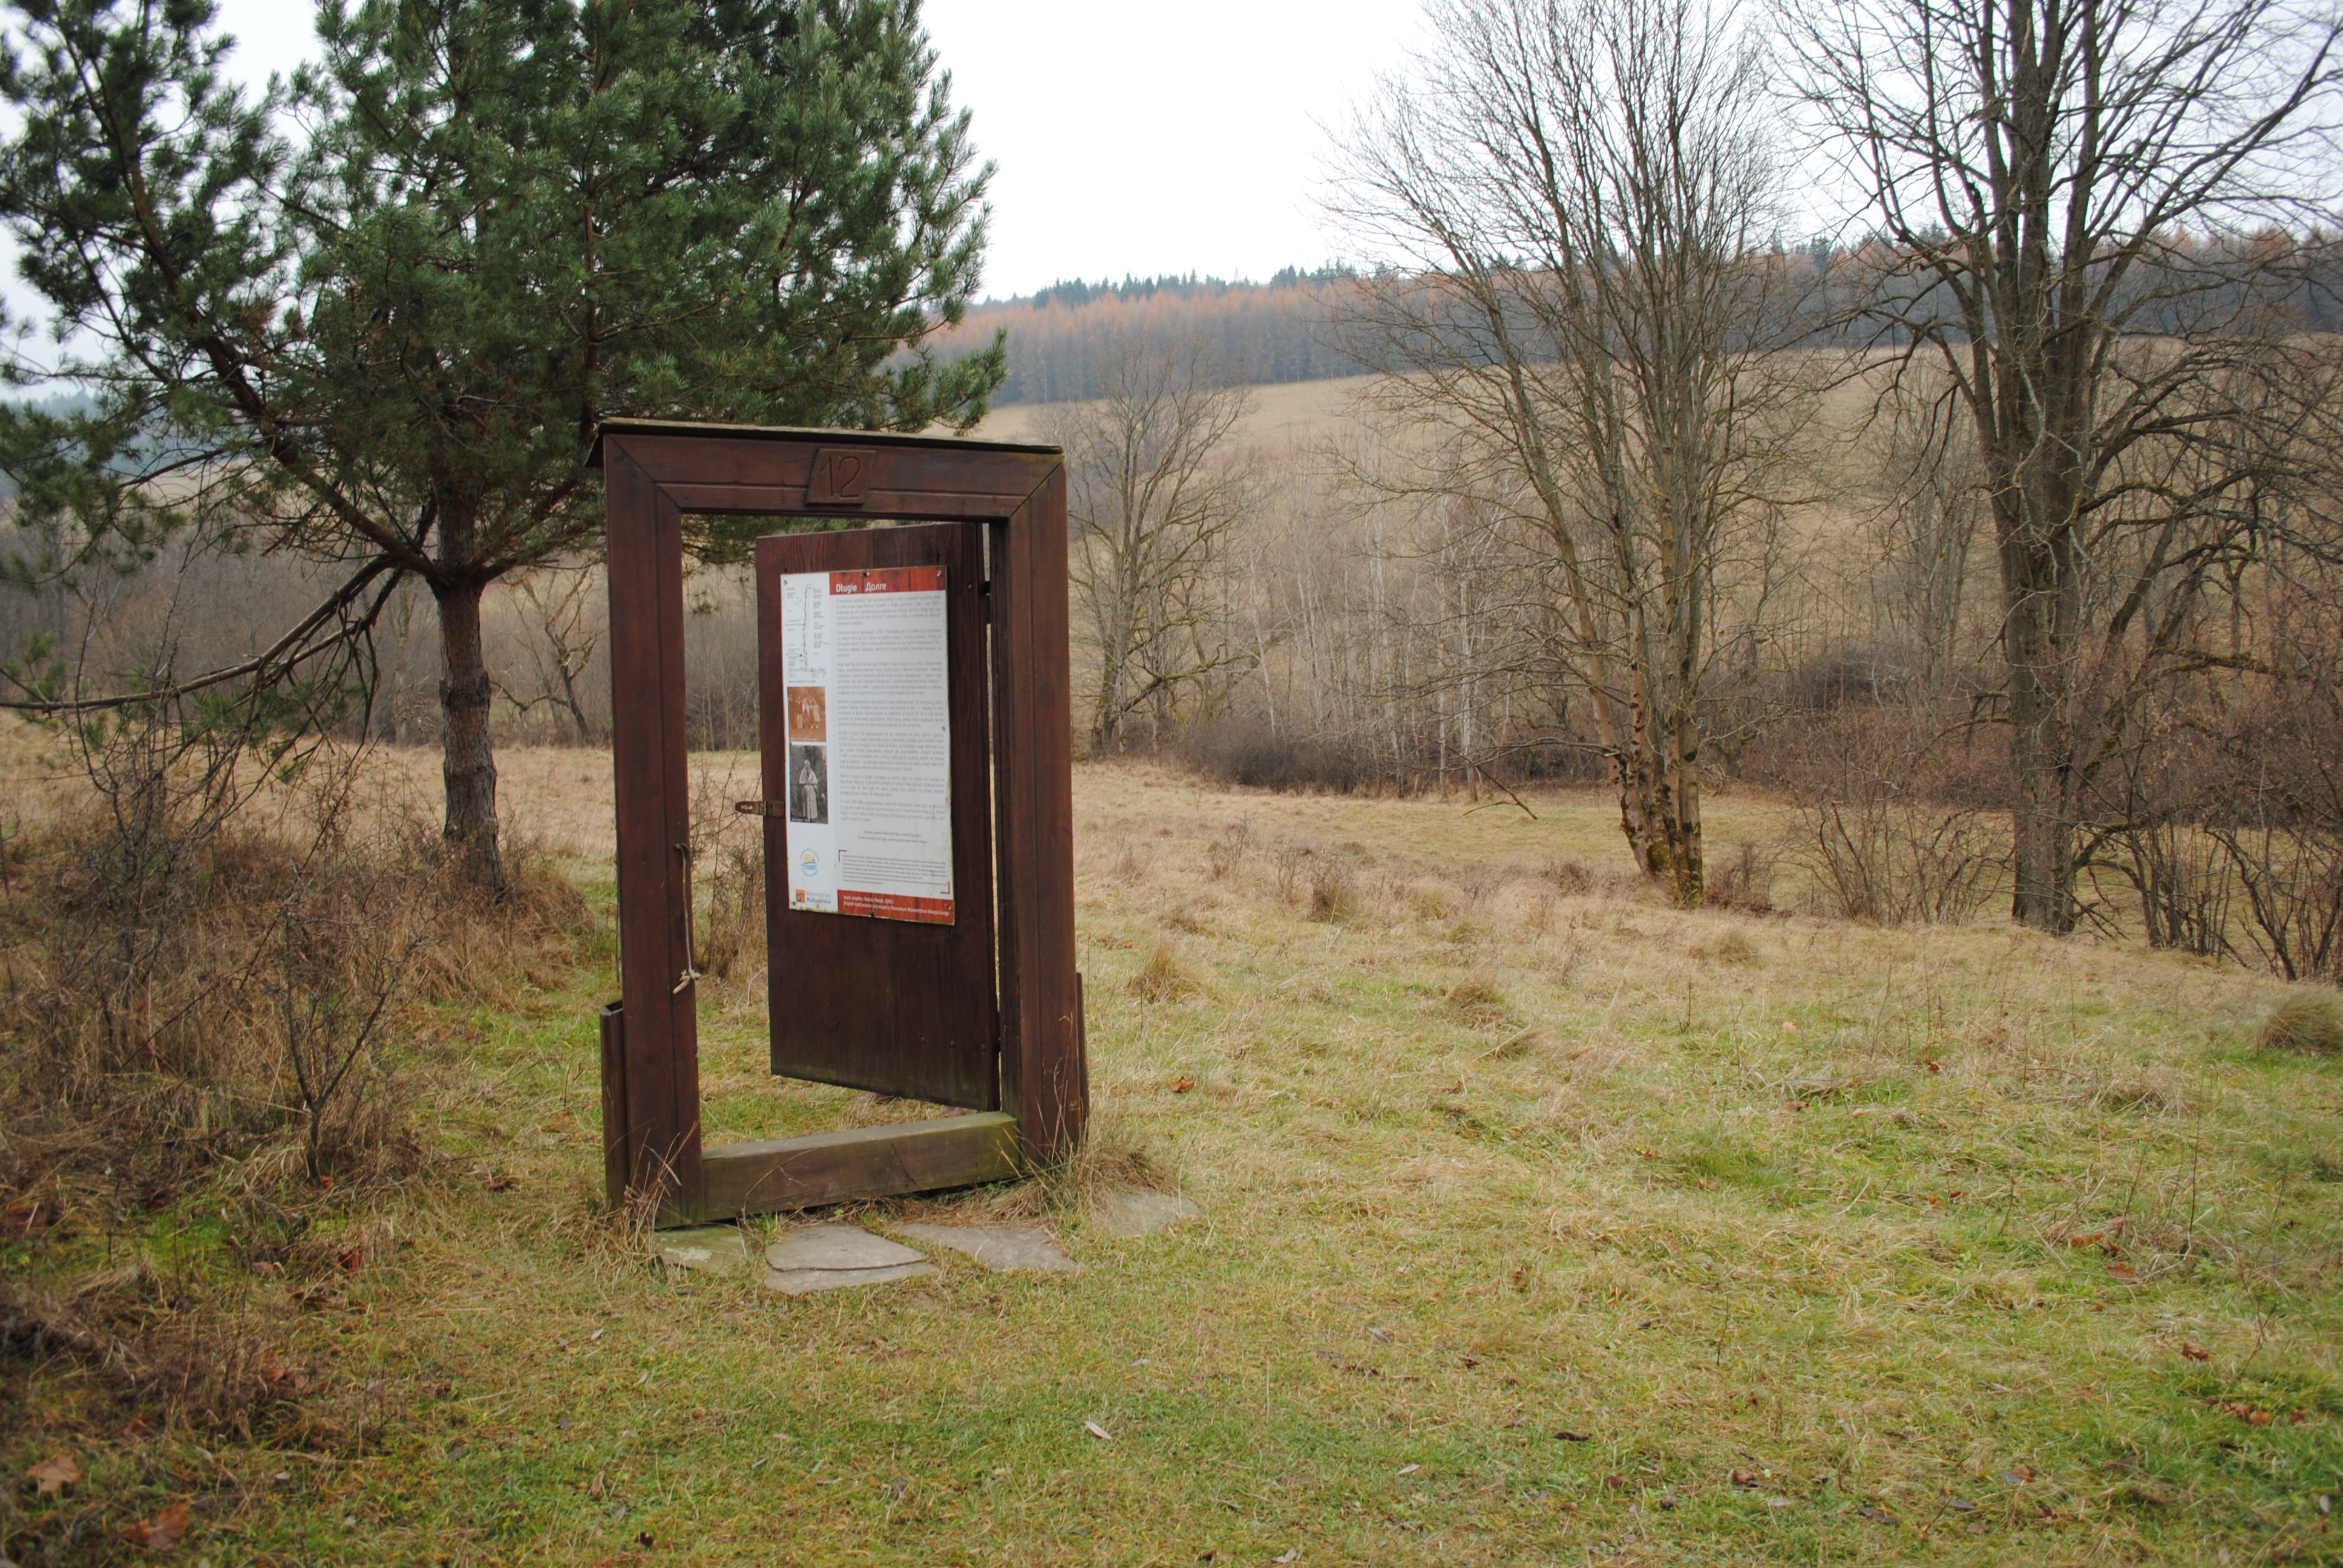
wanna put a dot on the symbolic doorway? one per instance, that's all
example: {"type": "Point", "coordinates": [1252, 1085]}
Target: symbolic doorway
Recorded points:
{"type": "Point", "coordinates": [916, 810]}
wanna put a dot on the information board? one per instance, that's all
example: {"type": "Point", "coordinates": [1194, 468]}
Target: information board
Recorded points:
{"type": "Point", "coordinates": [869, 806]}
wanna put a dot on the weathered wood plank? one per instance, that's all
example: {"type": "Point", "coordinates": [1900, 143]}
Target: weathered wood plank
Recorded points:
{"type": "Point", "coordinates": [1043, 1077]}
{"type": "Point", "coordinates": [904, 505]}
{"type": "Point", "coordinates": [780, 1174]}
{"type": "Point", "coordinates": [645, 555]}
{"type": "Point", "coordinates": [617, 1161]}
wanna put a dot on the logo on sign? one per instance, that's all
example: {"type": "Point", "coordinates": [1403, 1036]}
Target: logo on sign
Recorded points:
{"type": "Point", "coordinates": [808, 862]}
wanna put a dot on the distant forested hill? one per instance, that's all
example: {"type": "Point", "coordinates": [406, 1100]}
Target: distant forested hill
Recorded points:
{"type": "Point", "coordinates": [1292, 327]}
{"type": "Point", "coordinates": [1281, 330]}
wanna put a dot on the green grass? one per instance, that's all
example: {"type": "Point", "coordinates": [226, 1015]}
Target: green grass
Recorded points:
{"type": "Point", "coordinates": [1803, 1206]}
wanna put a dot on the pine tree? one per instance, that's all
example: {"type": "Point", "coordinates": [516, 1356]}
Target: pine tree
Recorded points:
{"type": "Point", "coordinates": [375, 313]}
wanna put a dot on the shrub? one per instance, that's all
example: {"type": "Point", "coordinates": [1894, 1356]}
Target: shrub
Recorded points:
{"type": "Point", "coordinates": [1333, 896]}
{"type": "Point", "coordinates": [1744, 883]}
{"type": "Point", "coordinates": [1884, 831]}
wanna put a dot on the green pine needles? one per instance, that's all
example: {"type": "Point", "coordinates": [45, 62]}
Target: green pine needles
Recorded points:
{"type": "Point", "coordinates": [375, 314]}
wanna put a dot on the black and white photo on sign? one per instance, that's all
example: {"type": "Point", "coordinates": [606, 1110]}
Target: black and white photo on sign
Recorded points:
{"type": "Point", "coordinates": [809, 784]}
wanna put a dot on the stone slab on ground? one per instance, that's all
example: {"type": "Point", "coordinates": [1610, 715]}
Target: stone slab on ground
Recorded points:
{"type": "Point", "coordinates": [803, 1282]}
{"type": "Point", "coordinates": [1009, 1249]}
{"type": "Point", "coordinates": [838, 1257]}
{"type": "Point", "coordinates": [1122, 1213]}
{"type": "Point", "coordinates": [835, 1246]}
{"type": "Point", "coordinates": [705, 1249]}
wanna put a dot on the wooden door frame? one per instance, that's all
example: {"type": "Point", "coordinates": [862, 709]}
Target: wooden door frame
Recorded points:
{"type": "Point", "coordinates": [655, 472]}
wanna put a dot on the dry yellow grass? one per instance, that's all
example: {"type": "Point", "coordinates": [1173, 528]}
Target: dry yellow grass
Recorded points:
{"type": "Point", "coordinates": [1542, 1225]}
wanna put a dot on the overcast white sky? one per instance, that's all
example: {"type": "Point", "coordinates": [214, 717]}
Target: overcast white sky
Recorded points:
{"type": "Point", "coordinates": [1130, 139]}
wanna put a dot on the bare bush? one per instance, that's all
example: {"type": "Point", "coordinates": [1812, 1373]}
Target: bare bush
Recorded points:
{"type": "Point", "coordinates": [1876, 842]}
{"type": "Point", "coordinates": [1746, 882]}
{"type": "Point", "coordinates": [1334, 893]}
{"type": "Point", "coordinates": [1228, 849]}
{"type": "Point", "coordinates": [2184, 883]}
{"type": "Point", "coordinates": [330, 967]}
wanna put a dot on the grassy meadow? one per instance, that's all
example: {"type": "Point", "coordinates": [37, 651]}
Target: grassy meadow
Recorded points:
{"type": "Point", "coordinates": [1545, 1223]}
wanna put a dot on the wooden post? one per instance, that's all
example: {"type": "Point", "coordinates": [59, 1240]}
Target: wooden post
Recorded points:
{"type": "Point", "coordinates": [652, 780]}
{"type": "Point", "coordinates": [1044, 1081]}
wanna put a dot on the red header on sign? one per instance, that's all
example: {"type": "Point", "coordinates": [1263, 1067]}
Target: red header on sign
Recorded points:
{"type": "Point", "coordinates": [889, 579]}
{"type": "Point", "coordinates": [895, 906]}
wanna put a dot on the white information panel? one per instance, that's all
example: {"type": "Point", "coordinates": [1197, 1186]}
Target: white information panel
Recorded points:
{"type": "Point", "coordinates": [869, 743]}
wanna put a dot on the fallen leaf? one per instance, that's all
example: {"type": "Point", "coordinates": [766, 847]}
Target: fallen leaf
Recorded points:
{"type": "Point", "coordinates": [2258, 1418]}
{"type": "Point", "coordinates": [56, 1476]}
{"type": "Point", "coordinates": [1576, 1436]}
{"type": "Point", "coordinates": [1876, 1515]}
{"type": "Point", "coordinates": [1616, 1482]}
{"type": "Point", "coordinates": [1408, 1469]}
{"type": "Point", "coordinates": [1095, 1430]}
{"type": "Point", "coordinates": [597, 1334]}
{"type": "Point", "coordinates": [2195, 1353]}
{"type": "Point", "coordinates": [1934, 1066]}
{"type": "Point", "coordinates": [1745, 1478]}
{"type": "Point", "coordinates": [1183, 1085]}
{"type": "Point", "coordinates": [1380, 1335]}
{"type": "Point", "coordinates": [2018, 1474]}
{"type": "Point", "coordinates": [1795, 1105]}
{"type": "Point", "coordinates": [1292, 1555]}
{"type": "Point", "coordinates": [2297, 1418]}
{"type": "Point", "coordinates": [1960, 1505]}
{"type": "Point", "coordinates": [1977, 1529]}
{"type": "Point", "coordinates": [2093, 1240]}
{"type": "Point", "coordinates": [644, 1540]}
{"type": "Point", "coordinates": [352, 1260]}
{"type": "Point", "coordinates": [164, 1532]}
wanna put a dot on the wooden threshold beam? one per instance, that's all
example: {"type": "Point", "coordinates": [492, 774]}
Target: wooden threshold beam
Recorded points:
{"type": "Point", "coordinates": [782, 1173]}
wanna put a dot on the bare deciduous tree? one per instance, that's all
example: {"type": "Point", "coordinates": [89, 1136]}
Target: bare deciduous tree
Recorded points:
{"type": "Point", "coordinates": [1153, 490]}
{"type": "Point", "coordinates": [2063, 188]}
{"type": "Point", "coordinates": [561, 637]}
{"type": "Point", "coordinates": [1575, 198]}
{"type": "Point", "coordinates": [1931, 507]}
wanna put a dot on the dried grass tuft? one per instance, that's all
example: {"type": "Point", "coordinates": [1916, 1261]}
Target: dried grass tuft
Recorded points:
{"type": "Point", "coordinates": [1479, 1002]}
{"type": "Point", "coordinates": [1165, 978]}
{"type": "Point", "coordinates": [1727, 947]}
{"type": "Point", "coordinates": [2307, 1022]}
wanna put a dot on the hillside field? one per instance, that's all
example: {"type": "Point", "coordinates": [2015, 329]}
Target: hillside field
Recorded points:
{"type": "Point", "coordinates": [1545, 1223]}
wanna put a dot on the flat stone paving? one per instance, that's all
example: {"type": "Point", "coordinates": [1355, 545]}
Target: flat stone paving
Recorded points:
{"type": "Point", "coordinates": [836, 1257]}
{"type": "Point", "coordinates": [833, 1257]}
{"type": "Point", "coordinates": [1009, 1249]}
{"type": "Point", "coordinates": [705, 1249]}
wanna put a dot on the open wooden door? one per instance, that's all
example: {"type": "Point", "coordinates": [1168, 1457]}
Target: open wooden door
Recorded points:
{"type": "Point", "coordinates": [878, 810]}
